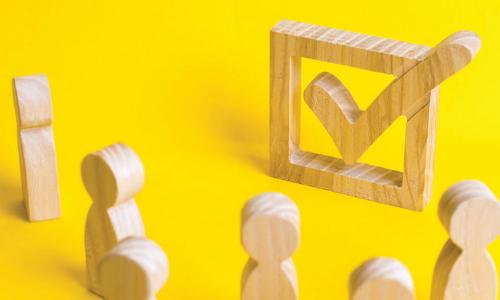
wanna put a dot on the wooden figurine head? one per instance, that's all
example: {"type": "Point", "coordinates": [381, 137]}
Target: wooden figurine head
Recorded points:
{"type": "Point", "coordinates": [470, 213]}
{"type": "Point", "coordinates": [135, 269]}
{"type": "Point", "coordinates": [270, 227]}
{"type": "Point", "coordinates": [382, 279]}
{"type": "Point", "coordinates": [112, 175]}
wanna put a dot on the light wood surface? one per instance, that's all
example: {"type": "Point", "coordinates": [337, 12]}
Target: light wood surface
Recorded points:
{"type": "Point", "coordinates": [37, 153]}
{"type": "Point", "coordinates": [135, 269]}
{"type": "Point", "coordinates": [112, 177]}
{"type": "Point", "coordinates": [270, 235]}
{"type": "Point", "coordinates": [470, 214]}
{"type": "Point", "coordinates": [418, 71]}
{"type": "Point", "coordinates": [382, 279]}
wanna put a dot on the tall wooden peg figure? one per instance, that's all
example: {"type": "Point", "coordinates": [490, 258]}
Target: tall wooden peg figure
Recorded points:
{"type": "Point", "coordinates": [470, 214]}
{"type": "Point", "coordinates": [37, 153]}
{"type": "Point", "coordinates": [382, 279]}
{"type": "Point", "coordinates": [270, 235]}
{"type": "Point", "coordinates": [112, 177]}
{"type": "Point", "coordinates": [135, 269]}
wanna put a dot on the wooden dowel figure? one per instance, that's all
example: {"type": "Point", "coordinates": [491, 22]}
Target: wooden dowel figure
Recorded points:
{"type": "Point", "coordinates": [270, 235]}
{"type": "Point", "coordinates": [112, 177]}
{"type": "Point", "coordinates": [135, 269]}
{"type": "Point", "coordinates": [37, 154]}
{"type": "Point", "coordinates": [470, 214]}
{"type": "Point", "coordinates": [382, 279]}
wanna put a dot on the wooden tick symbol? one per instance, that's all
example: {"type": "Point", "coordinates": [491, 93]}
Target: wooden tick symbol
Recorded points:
{"type": "Point", "coordinates": [353, 130]}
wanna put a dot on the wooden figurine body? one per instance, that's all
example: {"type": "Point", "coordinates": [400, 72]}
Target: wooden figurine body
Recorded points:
{"type": "Point", "coordinates": [112, 177]}
{"type": "Point", "coordinates": [135, 269]}
{"type": "Point", "coordinates": [419, 70]}
{"type": "Point", "coordinates": [382, 279]}
{"type": "Point", "coordinates": [465, 271]}
{"type": "Point", "coordinates": [37, 154]}
{"type": "Point", "coordinates": [270, 235]}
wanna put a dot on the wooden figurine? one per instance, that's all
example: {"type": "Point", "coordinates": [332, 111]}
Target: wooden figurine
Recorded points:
{"type": "Point", "coordinates": [135, 269]}
{"type": "Point", "coordinates": [270, 235]}
{"type": "Point", "coordinates": [112, 177]}
{"type": "Point", "coordinates": [465, 270]}
{"type": "Point", "coordinates": [470, 214]}
{"type": "Point", "coordinates": [418, 71]}
{"type": "Point", "coordinates": [382, 279]}
{"type": "Point", "coordinates": [37, 153]}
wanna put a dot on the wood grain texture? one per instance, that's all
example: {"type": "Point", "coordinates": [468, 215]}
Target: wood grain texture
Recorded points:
{"type": "Point", "coordinates": [381, 279]}
{"type": "Point", "coordinates": [468, 210]}
{"type": "Point", "coordinates": [413, 94]}
{"type": "Point", "coordinates": [112, 177]}
{"type": "Point", "coordinates": [270, 235]}
{"type": "Point", "coordinates": [135, 269]}
{"type": "Point", "coordinates": [350, 48]}
{"type": "Point", "coordinates": [37, 153]}
{"type": "Point", "coordinates": [470, 214]}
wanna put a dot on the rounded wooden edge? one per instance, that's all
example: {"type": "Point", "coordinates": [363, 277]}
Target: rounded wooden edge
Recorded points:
{"type": "Point", "coordinates": [33, 101]}
{"type": "Point", "coordinates": [116, 166]}
{"type": "Point", "coordinates": [465, 40]}
{"type": "Point", "coordinates": [140, 255]}
{"type": "Point", "coordinates": [380, 270]}
{"type": "Point", "coordinates": [470, 213]}
{"type": "Point", "coordinates": [269, 215]}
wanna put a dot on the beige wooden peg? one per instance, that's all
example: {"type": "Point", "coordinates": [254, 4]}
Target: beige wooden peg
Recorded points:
{"type": "Point", "coordinates": [270, 235]}
{"type": "Point", "coordinates": [470, 214]}
{"type": "Point", "coordinates": [418, 71]}
{"type": "Point", "coordinates": [135, 269]}
{"type": "Point", "coordinates": [112, 177]}
{"type": "Point", "coordinates": [382, 279]}
{"type": "Point", "coordinates": [37, 154]}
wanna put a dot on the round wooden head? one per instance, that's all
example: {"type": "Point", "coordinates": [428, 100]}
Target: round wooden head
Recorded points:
{"type": "Point", "coordinates": [471, 214]}
{"type": "Point", "coordinates": [270, 227]}
{"type": "Point", "coordinates": [135, 269]}
{"type": "Point", "coordinates": [381, 278]}
{"type": "Point", "coordinates": [112, 175]}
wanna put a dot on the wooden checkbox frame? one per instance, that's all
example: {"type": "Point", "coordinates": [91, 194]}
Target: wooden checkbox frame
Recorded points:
{"type": "Point", "coordinates": [290, 42]}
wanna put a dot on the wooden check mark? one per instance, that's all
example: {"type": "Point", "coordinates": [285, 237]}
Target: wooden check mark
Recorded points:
{"type": "Point", "coordinates": [353, 130]}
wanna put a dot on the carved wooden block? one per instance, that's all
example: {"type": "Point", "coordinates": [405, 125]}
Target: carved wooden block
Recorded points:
{"type": "Point", "coordinates": [37, 152]}
{"type": "Point", "coordinates": [418, 72]}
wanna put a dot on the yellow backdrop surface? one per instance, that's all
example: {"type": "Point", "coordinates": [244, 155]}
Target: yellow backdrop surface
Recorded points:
{"type": "Point", "coordinates": [186, 83]}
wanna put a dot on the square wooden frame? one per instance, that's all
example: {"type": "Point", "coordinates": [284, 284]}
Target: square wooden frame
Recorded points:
{"type": "Point", "coordinates": [290, 42]}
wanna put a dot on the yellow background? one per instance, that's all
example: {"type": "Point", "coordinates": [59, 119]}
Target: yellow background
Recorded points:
{"type": "Point", "coordinates": [186, 85]}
